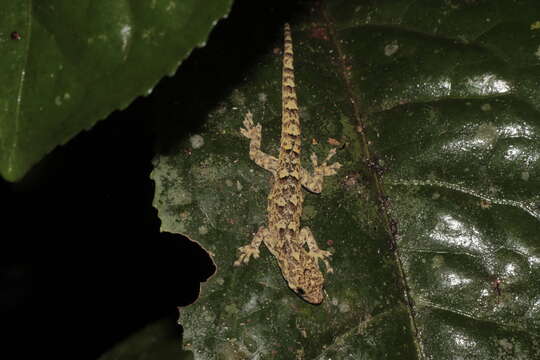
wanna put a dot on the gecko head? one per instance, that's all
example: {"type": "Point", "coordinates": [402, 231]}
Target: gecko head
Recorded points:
{"type": "Point", "coordinates": [307, 283]}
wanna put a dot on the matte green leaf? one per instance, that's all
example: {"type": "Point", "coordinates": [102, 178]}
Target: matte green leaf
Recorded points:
{"type": "Point", "coordinates": [157, 341]}
{"type": "Point", "coordinates": [434, 220]}
{"type": "Point", "coordinates": [67, 64]}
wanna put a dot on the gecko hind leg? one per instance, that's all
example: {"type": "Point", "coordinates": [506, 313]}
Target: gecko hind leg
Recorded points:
{"type": "Point", "coordinates": [314, 182]}
{"type": "Point", "coordinates": [306, 237]}
{"type": "Point", "coordinates": [253, 132]}
{"type": "Point", "coordinates": [252, 249]}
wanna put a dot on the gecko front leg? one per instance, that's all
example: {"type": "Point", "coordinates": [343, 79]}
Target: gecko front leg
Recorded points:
{"type": "Point", "coordinates": [306, 237]}
{"type": "Point", "coordinates": [253, 132]}
{"type": "Point", "coordinates": [314, 182]}
{"type": "Point", "coordinates": [253, 248]}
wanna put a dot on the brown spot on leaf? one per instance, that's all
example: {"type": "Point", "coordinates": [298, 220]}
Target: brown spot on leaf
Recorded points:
{"type": "Point", "coordinates": [319, 32]}
{"type": "Point", "coordinates": [333, 142]}
{"type": "Point", "coordinates": [485, 204]}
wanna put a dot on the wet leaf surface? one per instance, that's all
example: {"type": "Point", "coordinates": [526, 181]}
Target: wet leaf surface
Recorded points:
{"type": "Point", "coordinates": [434, 218]}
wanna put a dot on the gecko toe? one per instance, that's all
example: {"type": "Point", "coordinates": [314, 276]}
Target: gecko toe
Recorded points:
{"type": "Point", "coordinates": [314, 159]}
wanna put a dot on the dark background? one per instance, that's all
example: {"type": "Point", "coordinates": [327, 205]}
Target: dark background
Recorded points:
{"type": "Point", "coordinates": [82, 261]}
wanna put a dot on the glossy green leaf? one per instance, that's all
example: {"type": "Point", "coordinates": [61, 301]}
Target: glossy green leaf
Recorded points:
{"type": "Point", "coordinates": [434, 220]}
{"type": "Point", "coordinates": [67, 64]}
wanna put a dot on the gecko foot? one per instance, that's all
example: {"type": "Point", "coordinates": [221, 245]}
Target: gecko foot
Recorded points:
{"type": "Point", "coordinates": [331, 153]}
{"type": "Point", "coordinates": [325, 169]}
{"type": "Point", "coordinates": [322, 255]}
{"type": "Point", "coordinates": [328, 170]}
{"type": "Point", "coordinates": [245, 254]}
{"type": "Point", "coordinates": [251, 131]}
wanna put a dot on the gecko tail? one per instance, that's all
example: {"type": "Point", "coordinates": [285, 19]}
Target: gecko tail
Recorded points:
{"type": "Point", "coordinates": [290, 106]}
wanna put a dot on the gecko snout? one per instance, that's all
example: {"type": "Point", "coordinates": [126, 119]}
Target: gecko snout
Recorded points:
{"type": "Point", "coordinates": [314, 298]}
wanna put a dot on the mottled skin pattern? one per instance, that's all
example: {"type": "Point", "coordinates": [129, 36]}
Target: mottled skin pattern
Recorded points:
{"type": "Point", "coordinates": [283, 235]}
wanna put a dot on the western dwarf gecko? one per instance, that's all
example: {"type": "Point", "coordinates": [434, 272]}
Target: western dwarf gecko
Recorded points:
{"type": "Point", "coordinates": [283, 236]}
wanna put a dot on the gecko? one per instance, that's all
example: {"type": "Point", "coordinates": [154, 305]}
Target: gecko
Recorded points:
{"type": "Point", "coordinates": [294, 247]}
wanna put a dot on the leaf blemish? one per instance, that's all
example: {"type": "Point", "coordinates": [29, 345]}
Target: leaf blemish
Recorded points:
{"type": "Point", "coordinates": [251, 304]}
{"type": "Point", "coordinates": [203, 230]}
{"type": "Point", "coordinates": [486, 107]}
{"type": "Point", "coordinates": [344, 307]}
{"type": "Point", "coordinates": [487, 133]}
{"type": "Point", "coordinates": [197, 141]}
{"type": "Point", "coordinates": [391, 49]}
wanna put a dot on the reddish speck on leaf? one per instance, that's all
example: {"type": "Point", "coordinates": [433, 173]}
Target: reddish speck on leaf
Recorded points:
{"type": "Point", "coordinates": [15, 36]}
{"type": "Point", "coordinates": [497, 286]}
{"type": "Point", "coordinates": [319, 32]}
{"type": "Point", "coordinates": [333, 142]}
